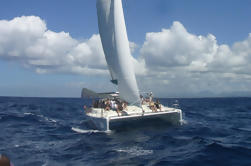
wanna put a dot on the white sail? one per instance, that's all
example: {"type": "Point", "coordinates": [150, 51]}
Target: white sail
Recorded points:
{"type": "Point", "coordinates": [115, 44]}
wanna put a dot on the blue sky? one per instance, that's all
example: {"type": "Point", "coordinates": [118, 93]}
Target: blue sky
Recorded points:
{"type": "Point", "coordinates": [227, 20]}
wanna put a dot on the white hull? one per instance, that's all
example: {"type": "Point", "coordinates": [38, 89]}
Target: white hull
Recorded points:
{"type": "Point", "coordinates": [108, 120]}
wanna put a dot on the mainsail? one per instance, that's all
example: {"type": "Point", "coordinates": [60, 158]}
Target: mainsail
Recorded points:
{"type": "Point", "coordinates": [115, 44]}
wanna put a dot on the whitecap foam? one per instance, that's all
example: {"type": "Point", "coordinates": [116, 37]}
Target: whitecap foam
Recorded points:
{"type": "Point", "coordinates": [41, 116]}
{"type": "Point", "coordinates": [47, 119]}
{"type": "Point", "coordinates": [46, 163]}
{"type": "Point", "coordinates": [136, 151]}
{"type": "Point", "coordinates": [87, 131]}
{"type": "Point", "coordinates": [50, 120]}
{"type": "Point", "coordinates": [245, 129]}
{"type": "Point", "coordinates": [184, 122]}
{"type": "Point", "coordinates": [28, 113]}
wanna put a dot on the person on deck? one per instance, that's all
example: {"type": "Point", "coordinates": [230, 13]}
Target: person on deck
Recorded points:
{"type": "Point", "coordinates": [151, 96]}
{"type": "Point", "coordinates": [152, 106]}
{"type": "Point", "coordinates": [124, 105]}
{"type": "Point", "coordinates": [158, 105]}
{"type": "Point", "coordinates": [113, 105]}
{"type": "Point", "coordinates": [119, 108]}
{"type": "Point", "coordinates": [107, 105]}
{"type": "Point", "coordinates": [142, 99]}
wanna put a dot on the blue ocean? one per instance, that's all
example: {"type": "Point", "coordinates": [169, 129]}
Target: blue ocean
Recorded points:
{"type": "Point", "coordinates": [54, 131]}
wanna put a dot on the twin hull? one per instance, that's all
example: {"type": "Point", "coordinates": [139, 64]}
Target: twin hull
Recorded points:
{"type": "Point", "coordinates": [173, 117]}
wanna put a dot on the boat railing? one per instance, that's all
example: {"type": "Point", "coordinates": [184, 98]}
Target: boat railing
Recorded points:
{"type": "Point", "coordinates": [144, 113]}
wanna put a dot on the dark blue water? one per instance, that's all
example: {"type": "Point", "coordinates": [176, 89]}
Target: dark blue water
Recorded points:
{"type": "Point", "coordinates": [51, 132]}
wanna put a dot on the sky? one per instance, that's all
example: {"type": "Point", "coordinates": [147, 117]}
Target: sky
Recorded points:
{"type": "Point", "coordinates": [180, 48]}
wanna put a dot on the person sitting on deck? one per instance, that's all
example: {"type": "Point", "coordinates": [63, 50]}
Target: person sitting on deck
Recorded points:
{"type": "Point", "coordinates": [119, 108]}
{"type": "Point", "coordinates": [142, 99]}
{"type": "Point", "coordinates": [158, 105]}
{"type": "Point", "coordinates": [152, 106]}
{"type": "Point", "coordinates": [124, 105]}
{"type": "Point", "coordinates": [87, 109]}
{"type": "Point", "coordinates": [107, 105]}
{"type": "Point", "coordinates": [113, 105]}
{"type": "Point", "coordinates": [150, 97]}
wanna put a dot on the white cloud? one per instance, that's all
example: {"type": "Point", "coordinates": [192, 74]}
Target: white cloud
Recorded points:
{"type": "Point", "coordinates": [27, 40]}
{"type": "Point", "coordinates": [193, 64]}
{"type": "Point", "coordinates": [175, 47]}
{"type": "Point", "coordinates": [172, 62]}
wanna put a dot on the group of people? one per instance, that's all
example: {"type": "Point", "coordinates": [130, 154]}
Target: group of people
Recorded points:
{"type": "Point", "coordinates": [154, 106]}
{"type": "Point", "coordinates": [118, 105]}
{"type": "Point", "coordinates": [111, 104]}
{"type": "Point", "coordinates": [147, 99]}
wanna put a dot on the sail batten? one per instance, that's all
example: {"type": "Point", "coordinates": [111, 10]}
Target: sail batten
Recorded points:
{"type": "Point", "coordinates": [115, 44]}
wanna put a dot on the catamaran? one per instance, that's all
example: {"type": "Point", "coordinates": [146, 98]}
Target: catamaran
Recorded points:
{"type": "Point", "coordinates": [115, 44]}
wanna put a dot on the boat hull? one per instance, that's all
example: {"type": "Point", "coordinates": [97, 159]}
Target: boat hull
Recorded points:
{"type": "Point", "coordinates": [170, 117]}
{"type": "Point", "coordinates": [147, 120]}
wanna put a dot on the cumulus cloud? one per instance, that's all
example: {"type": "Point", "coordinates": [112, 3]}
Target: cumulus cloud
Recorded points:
{"type": "Point", "coordinates": [172, 62]}
{"type": "Point", "coordinates": [183, 63]}
{"type": "Point", "coordinates": [27, 40]}
{"type": "Point", "coordinates": [175, 47]}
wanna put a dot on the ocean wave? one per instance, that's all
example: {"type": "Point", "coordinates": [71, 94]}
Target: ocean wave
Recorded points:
{"type": "Point", "coordinates": [28, 113]}
{"type": "Point", "coordinates": [224, 147]}
{"type": "Point", "coordinates": [82, 131]}
{"type": "Point", "coordinates": [37, 131]}
{"type": "Point", "coordinates": [135, 151]}
{"type": "Point", "coordinates": [17, 118]}
{"type": "Point", "coordinates": [40, 116]}
{"type": "Point", "coordinates": [184, 122]}
{"type": "Point", "coordinates": [47, 119]}
{"type": "Point", "coordinates": [245, 129]}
